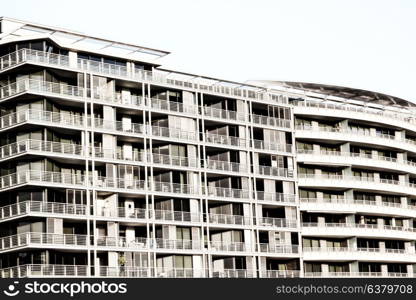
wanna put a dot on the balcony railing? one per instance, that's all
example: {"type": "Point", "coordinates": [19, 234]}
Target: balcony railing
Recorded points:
{"type": "Point", "coordinates": [40, 146]}
{"type": "Point", "coordinates": [262, 145]}
{"type": "Point", "coordinates": [280, 273]}
{"type": "Point", "coordinates": [225, 140]}
{"type": "Point", "coordinates": [45, 270]}
{"type": "Point", "coordinates": [24, 55]}
{"type": "Point", "coordinates": [225, 166]}
{"type": "Point", "coordinates": [273, 171]}
{"type": "Point", "coordinates": [171, 160]}
{"type": "Point", "coordinates": [224, 114]}
{"type": "Point", "coordinates": [173, 133]}
{"type": "Point", "coordinates": [124, 271]}
{"type": "Point", "coordinates": [353, 250]}
{"type": "Point", "coordinates": [172, 106]}
{"type": "Point", "coordinates": [351, 201]}
{"type": "Point", "coordinates": [174, 188]}
{"type": "Point", "coordinates": [121, 242]}
{"type": "Point", "coordinates": [270, 121]}
{"type": "Point", "coordinates": [119, 126]}
{"type": "Point", "coordinates": [277, 222]}
{"type": "Point", "coordinates": [345, 178]}
{"type": "Point", "coordinates": [26, 207]}
{"type": "Point", "coordinates": [359, 226]}
{"type": "Point", "coordinates": [167, 244]}
{"type": "Point", "coordinates": [179, 216]}
{"type": "Point", "coordinates": [402, 116]}
{"type": "Point", "coordinates": [42, 239]}
{"type": "Point", "coordinates": [275, 197]}
{"type": "Point", "coordinates": [228, 246]}
{"type": "Point", "coordinates": [355, 274]}
{"type": "Point", "coordinates": [23, 177]}
{"type": "Point", "coordinates": [42, 116]}
{"type": "Point", "coordinates": [356, 156]}
{"type": "Point", "coordinates": [119, 183]}
{"type": "Point", "coordinates": [228, 193]}
{"type": "Point", "coordinates": [283, 249]}
{"type": "Point", "coordinates": [233, 273]}
{"type": "Point", "coordinates": [229, 219]}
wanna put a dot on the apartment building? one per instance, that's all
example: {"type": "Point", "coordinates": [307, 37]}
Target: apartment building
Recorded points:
{"type": "Point", "coordinates": [112, 166]}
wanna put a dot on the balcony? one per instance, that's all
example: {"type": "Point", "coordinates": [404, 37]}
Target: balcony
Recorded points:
{"type": "Point", "coordinates": [273, 171]}
{"type": "Point", "coordinates": [226, 166]}
{"type": "Point", "coordinates": [38, 239]}
{"type": "Point", "coordinates": [270, 121]}
{"type": "Point", "coordinates": [220, 246]}
{"type": "Point", "coordinates": [223, 114]}
{"type": "Point", "coordinates": [119, 127]}
{"type": "Point", "coordinates": [359, 136]}
{"type": "Point", "coordinates": [123, 213]}
{"type": "Point", "coordinates": [280, 274]}
{"type": "Point", "coordinates": [168, 78]}
{"type": "Point", "coordinates": [397, 118]}
{"type": "Point", "coordinates": [358, 182]}
{"type": "Point", "coordinates": [354, 274]}
{"type": "Point", "coordinates": [108, 183]}
{"type": "Point", "coordinates": [41, 177]}
{"type": "Point", "coordinates": [42, 117]}
{"type": "Point", "coordinates": [174, 188]}
{"type": "Point", "coordinates": [41, 87]}
{"type": "Point", "coordinates": [40, 270]}
{"type": "Point", "coordinates": [40, 208]}
{"type": "Point", "coordinates": [138, 243]}
{"type": "Point", "coordinates": [166, 244]}
{"type": "Point", "coordinates": [272, 147]}
{"type": "Point", "coordinates": [228, 193]}
{"type": "Point", "coordinates": [124, 272]}
{"type": "Point", "coordinates": [217, 139]}
{"type": "Point", "coordinates": [276, 197]}
{"type": "Point", "coordinates": [234, 273]}
{"type": "Point", "coordinates": [277, 222]}
{"type": "Point", "coordinates": [173, 133]}
{"type": "Point", "coordinates": [355, 229]}
{"type": "Point", "coordinates": [351, 158]}
{"type": "Point", "coordinates": [176, 216]}
{"type": "Point", "coordinates": [278, 248]}
{"type": "Point", "coordinates": [40, 147]}
{"type": "Point", "coordinates": [223, 219]}
{"type": "Point", "coordinates": [171, 160]}
{"type": "Point", "coordinates": [171, 106]}
{"type": "Point", "coordinates": [354, 254]}
{"type": "Point", "coordinates": [355, 205]}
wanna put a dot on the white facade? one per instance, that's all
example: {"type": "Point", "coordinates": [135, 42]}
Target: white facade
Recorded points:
{"type": "Point", "coordinates": [114, 167]}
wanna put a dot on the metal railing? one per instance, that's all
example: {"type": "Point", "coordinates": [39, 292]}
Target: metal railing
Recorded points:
{"type": "Point", "coordinates": [42, 239]}
{"type": "Point", "coordinates": [13, 149]}
{"type": "Point", "coordinates": [44, 270]}
{"type": "Point", "coordinates": [275, 197]}
{"type": "Point", "coordinates": [224, 114]}
{"type": "Point", "coordinates": [179, 216]}
{"type": "Point", "coordinates": [278, 248]}
{"type": "Point", "coordinates": [228, 193]}
{"type": "Point", "coordinates": [277, 222]}
{"type": "Point", "coordinates": [229, 219]}
{"type": "Point", "coordinates": [177, 244]}
{"type": "Point", "coordinates": [225, 140]}
{"type": "Point", "coordinates": [162, 104]}
{"type": "Point", "coordinates": [402, 116]}
{"type": "Point", "coordinates": [228, 246]}
{"type": "Point", "coordinates": [270, 121]}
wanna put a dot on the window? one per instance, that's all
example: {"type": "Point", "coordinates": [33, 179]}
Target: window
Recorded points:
{"type": "Point", "coordinates": [183, 233]}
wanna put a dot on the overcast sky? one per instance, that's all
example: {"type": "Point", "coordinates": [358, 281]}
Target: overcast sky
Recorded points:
{"type": "Point", "coordinates": [368, 44]}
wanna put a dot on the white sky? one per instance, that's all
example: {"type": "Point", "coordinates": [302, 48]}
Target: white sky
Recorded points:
{"type": "Point", "coordinates": [368, 44]}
